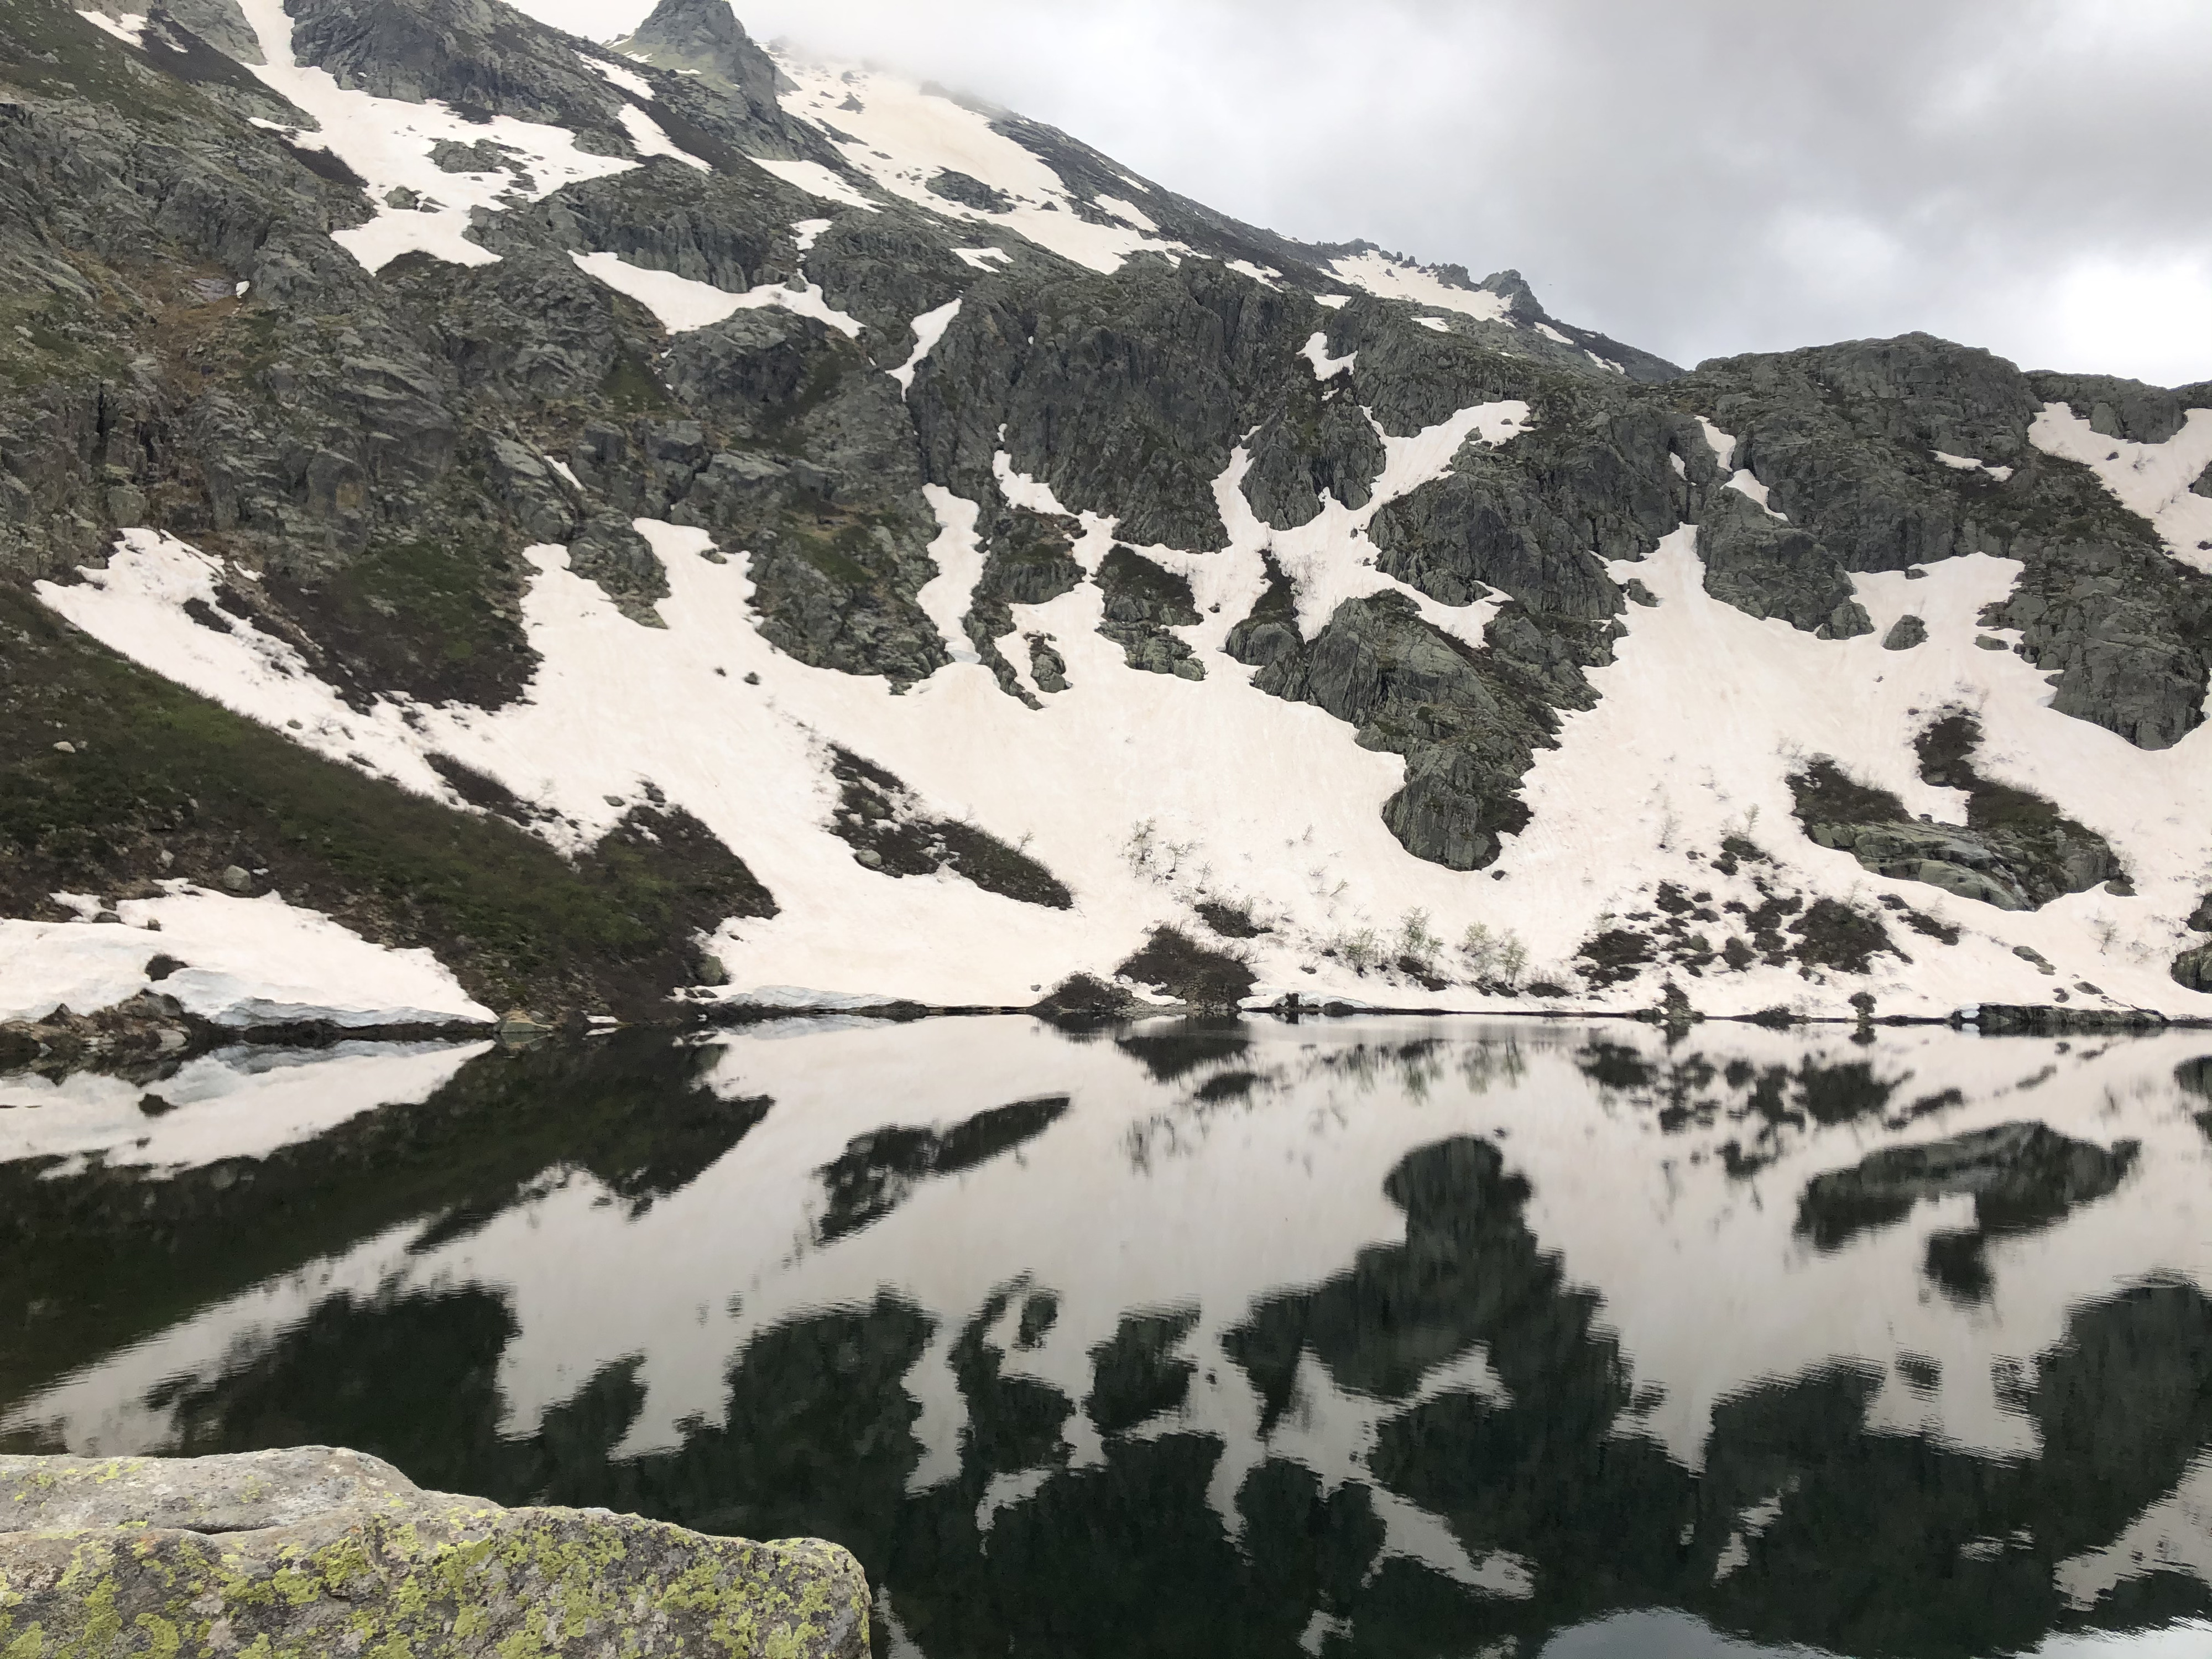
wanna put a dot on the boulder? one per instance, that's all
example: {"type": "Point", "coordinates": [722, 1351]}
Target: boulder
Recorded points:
{"type": "Point", "coordinates": [1904, 634]}
{"type": "Point", "coordinates": [2193, 968]}
{"type": "Point", "coordinates": [314, 1549]}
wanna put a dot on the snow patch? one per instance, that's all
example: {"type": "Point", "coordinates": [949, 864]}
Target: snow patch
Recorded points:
{"type": "Point", "coordinates": [901, 136]}
{"type": "Point", "coordinates": [945, 598]}
{"type": "Point", "coordinates": [929, 329]}
{"type": "Point", "coordinates": [1326, 367]}
{"type": "Point", "coordinates": [247, 961]}
{"type": "Point", "coordinates": [2151, 480]}
{"type": "Point", "coordinates": [816, 180]}
{"type": "Point", "coordinates": [1744, 482]}
{"type": "Point", "coordinates": [388, 142]}
{"type": "Point", "coordinates": [1968, 464]}
{"type": "Point", "coordinates": [647, 138]}
{"type": "Point", "coordinates": [629, 80]}
{"type": "Point", "coordinates": [130, 28]}
{"type": "Point", "coordinates": [682, 303]}
{"type": "Point", "coordinates": [1397, 279]}
{"type": "Point", "coordinates": [1721, 443]}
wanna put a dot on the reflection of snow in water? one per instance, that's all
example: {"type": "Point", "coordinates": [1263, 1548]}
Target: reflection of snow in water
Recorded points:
{"type": "Point", "coordinates": [1144, 1196]}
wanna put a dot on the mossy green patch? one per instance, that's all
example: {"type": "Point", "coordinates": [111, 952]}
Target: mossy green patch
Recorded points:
{"type": "Point", "coordinates": [157, 769]}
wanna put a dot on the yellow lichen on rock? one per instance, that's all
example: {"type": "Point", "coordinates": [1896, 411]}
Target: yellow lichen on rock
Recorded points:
{"type": "Point", "coordinates": [165, 1559]}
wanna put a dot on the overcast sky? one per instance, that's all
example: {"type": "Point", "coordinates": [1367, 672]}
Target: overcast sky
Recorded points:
{"type": "Point", "coordinates": [1697, 177]}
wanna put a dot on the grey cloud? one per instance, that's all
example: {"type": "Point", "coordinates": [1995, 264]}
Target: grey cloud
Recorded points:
{"type": "Point", "coordinates": [1702, 177]}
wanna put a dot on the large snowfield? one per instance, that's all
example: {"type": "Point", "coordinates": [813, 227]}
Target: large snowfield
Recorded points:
{"type": "Point", "coordinates": [1147, 793]}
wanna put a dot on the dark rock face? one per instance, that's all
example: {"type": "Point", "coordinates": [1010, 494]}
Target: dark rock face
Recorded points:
{"type": "Point", "coordinates": [2193, 968]}
{"type": "Point", "coordinates": [467, 53]}
{"type": "Point", "coordinates": [1028, 561]}
{"type": "Point", "coordinates": [1467, 723]}
{"type": "Point", "coordinates": [1768, 569]}
{"type": "Point", "coordinates": [1844, 437]}
{"type": "Point", "coordinates": [1125, 393]}
{"type": "Point", "coordinates": [706, 39]}
{"type": "Point", "coordinates": [1321, 440]}
{"type": "Point", "coordinates": [1904, 634]}
{"type": "Point", "coordinates": [970, 192]}
{"type": "Point", "coordinates": [1143, 601]}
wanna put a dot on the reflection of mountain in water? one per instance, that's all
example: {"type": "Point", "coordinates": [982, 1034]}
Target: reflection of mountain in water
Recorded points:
{"type": "Point", "coordinates": [1805, 1525]}
{"type": "Point", "coordinates": [879, 1170]}
{"type": "Point", "coordinates": [2021, 1177]}
{"type": "Point", "coordinates": [101, 1258]}
{"type": "Point", "coordinates": [1119, 1509]}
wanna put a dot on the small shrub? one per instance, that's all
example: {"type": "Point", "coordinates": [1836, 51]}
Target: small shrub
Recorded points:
{"type": "Point", "coordinates": [1361, 948]}
{"type": "Point", "coordinates": [1173, 961]}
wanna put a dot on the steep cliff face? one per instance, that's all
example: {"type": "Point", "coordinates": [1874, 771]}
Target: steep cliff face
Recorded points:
{"type": "Point", "coordinates": [478, 483]}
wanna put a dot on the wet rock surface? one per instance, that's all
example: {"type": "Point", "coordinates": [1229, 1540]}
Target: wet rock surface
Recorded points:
{"type": "Point", "coordinates": [315, 1549]}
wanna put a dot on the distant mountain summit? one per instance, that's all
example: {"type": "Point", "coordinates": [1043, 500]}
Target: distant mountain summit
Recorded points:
{"type": "Point", "coordinates": [674, 525]}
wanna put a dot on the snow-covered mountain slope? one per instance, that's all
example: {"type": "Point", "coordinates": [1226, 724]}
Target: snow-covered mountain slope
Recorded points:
{"type": "Point", "coordinates": [670, 521]}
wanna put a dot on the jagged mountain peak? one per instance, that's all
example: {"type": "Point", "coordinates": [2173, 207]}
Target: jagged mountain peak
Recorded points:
{"type": "Point", "coordinates": [704, 38]}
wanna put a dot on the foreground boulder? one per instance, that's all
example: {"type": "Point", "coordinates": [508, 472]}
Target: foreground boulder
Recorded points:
{"type": "Point", "coordinates": [316, 1550]}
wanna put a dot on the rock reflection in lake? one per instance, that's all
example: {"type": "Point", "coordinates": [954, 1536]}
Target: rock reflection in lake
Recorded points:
{"type": "Point", "coordinates": [1347, 1338]}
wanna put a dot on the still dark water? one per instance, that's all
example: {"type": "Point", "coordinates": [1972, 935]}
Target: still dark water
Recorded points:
{"type": "Point", "coordinates": [1349, 1338]}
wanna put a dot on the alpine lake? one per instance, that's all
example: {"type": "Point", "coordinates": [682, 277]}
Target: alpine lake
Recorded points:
{"type": "Point", "coordinates": [1343, 1337]}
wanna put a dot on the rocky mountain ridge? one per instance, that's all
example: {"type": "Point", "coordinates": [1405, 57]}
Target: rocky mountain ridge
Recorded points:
{"type": "Point", "coordinates": [671, 520]}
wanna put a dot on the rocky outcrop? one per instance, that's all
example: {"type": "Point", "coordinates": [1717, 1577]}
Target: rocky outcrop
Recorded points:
{"type": "Point", "coordinates": [1846, 438]}
{"type": "Point", "coordinates": [1143, 601]}
{"type": "Point", "coordinates": [321, 1551]}
{"type": "Point", "coordinates": [2016, 851]}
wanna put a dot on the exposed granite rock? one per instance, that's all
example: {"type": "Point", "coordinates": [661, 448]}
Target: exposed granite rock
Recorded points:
{"type": "Point", "coordinates": [970, 192]}
{"type": "Point", "coordinates": [2016, 851]}
{"type": "Point", "coordinates": [1143, 601]}
{"type": "Point", "coordinates": [317, 1550]}
{"type": "Point", "coordinates": [1320, 440]}
{"type": "Point", "coordinates": [1845, 439]}
{"type": "Point", "coordinates": [1467, 723]}
{"type": "Point", "coordinates": [2192, 968]}
{"type": "Point", "coordinates": [1767, 568]}
{"type": "Point", "coordinates": [704, 39]}
{"type": "Point", "coordinates": [1905, 633]}
{"type": "Point", "coordinates": [1125, 393]}
{"type": "Point", "coordinates": [1028, 561]}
